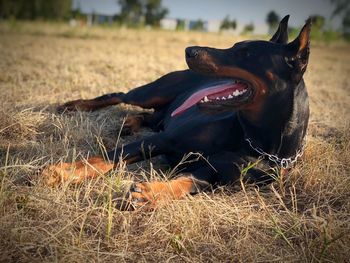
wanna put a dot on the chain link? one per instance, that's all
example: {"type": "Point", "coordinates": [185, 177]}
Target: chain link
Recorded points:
{"type": "Point", "coordinates": [284, 163]}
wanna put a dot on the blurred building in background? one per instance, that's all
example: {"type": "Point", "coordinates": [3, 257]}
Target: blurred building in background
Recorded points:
{"type": "Point", "coordinates": [168, 23]}
{"type": "Point", "coordinates": [212, 25]}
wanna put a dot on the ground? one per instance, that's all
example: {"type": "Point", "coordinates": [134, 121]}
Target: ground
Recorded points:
{"type": "Point", "coordinates": [304, 217]}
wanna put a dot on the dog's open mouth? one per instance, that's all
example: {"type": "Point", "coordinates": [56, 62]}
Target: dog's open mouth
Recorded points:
{"type": "Point", "coordinates": [228, 94]}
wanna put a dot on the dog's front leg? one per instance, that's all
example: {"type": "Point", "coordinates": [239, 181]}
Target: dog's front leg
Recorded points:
{"type": "Point", "coordinates": [76, 172]}
{"type": "Point", "coordinates": [95, 166]}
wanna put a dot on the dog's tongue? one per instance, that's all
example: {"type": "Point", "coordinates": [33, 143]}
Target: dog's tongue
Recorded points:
{"type": "Point", "coordinates": [199, 95]}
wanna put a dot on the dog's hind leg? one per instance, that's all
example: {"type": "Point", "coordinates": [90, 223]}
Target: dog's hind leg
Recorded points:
{"type": "Point", "coordinates": [133, 123]}
{"type": "Point", "coordinates": [154, 95]}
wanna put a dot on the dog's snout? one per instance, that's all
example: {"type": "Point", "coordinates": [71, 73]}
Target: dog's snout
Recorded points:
{"type": "Point", "coordinates": [192, 52]}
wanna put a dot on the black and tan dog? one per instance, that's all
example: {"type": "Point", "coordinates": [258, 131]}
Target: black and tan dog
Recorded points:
{"type": "Point", "coordinates": [238, 106]}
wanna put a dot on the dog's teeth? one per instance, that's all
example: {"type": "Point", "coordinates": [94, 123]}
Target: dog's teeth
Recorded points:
{"type": "Point", "coordinates": [230, 96]}
{"type": "Point", "coordinates": [223, 98]}
{"type": "Point", "coordinates": [217, 98]}
{"type": "Point", "coordinates": [206, 99]}
{"type": "Point", "coordinates": [202, 101]}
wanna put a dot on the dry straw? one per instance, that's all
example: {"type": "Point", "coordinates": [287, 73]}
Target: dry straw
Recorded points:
{"type": "Point", "coordinates": [304, 217]}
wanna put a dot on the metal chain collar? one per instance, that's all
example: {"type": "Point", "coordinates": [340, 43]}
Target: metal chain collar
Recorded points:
{"type": "Point", "coordinates": [284, 163]}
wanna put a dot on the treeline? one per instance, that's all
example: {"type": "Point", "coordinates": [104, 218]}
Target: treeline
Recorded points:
{"type": "Point", "coordinates": [133, 12]}
{"type": "Point", "coordinates": [145, 12]}
{"type": "Point", "coordinates": [36, 9]}
{"type": "Point", "coordinates": [151, 12]}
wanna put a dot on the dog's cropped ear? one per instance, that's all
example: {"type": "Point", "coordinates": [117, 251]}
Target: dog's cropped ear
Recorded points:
{"type": "Point", "coordinates": [298, 51]}
{"type": "Point", "coordinates": [281, 35]}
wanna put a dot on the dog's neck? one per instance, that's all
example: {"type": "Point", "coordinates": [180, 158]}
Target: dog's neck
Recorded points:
{"type": "Point", "coordinates": [281, 126]}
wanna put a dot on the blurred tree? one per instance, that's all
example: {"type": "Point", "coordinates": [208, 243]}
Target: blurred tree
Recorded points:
{"type": "Point", "coordinates": [35, 9]}
{"type": "Point", "coordinates": [249, 28]}
{"type": "Point", "coordinates": [346, 25]}
{"type": "Point", "coordinates": [149, 12]}
{"type": "Point", "coordinates": [154, 12]}
{"type": "Point", "coordinates": [198, 25]}
{"type": "Point", "coordinates": [131, 11]}
{"type": "Point", "coordinates": [272, 20]}
{"type": "Point", "coordinates": [9, 9]}
{"type": "Point", "coordinates": [180, 24]}
{"type": "Point", "coordinates": [227, 24]}
{"type": "Point", "coordinates": [318, 22]}
{"type": "Point", "coordinates": [76, 12]}
{"type": "Point", "coordinates": [342, 8]}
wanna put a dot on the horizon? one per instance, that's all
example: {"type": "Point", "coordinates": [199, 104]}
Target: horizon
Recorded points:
{"type": "Point", "coordinates": [249, 11]}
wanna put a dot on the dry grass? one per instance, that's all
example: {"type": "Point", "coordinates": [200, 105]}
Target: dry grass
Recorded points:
{"type": "Point", "coordinates": [302, 218]}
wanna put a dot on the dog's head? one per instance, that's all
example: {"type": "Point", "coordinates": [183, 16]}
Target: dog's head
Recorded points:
{"type": "Point", "coordinates": [250, 71]}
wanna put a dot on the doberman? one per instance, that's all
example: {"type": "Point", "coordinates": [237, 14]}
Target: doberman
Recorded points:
{"type": "Point", "coordinates": [244, 108]}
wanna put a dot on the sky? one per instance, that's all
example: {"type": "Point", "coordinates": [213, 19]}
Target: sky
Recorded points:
{"type": "Point", "coordinates": [244, 12]}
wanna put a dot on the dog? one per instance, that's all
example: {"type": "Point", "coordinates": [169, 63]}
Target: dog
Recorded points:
{"type": "Point", "coordinates": [245, 109]}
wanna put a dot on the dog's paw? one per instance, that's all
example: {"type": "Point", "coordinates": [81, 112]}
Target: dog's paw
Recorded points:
{"type": "Point", "coordinates": [139, 196]}
{"type": "Point", "coordinates": [151, 194]}
{"type": "Point", "coordinates": [132, 125]}
{"type": "Point", "coordinates": [54, 175]}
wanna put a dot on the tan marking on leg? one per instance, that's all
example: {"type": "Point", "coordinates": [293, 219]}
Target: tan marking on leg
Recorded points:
{"type": "Point", "coordinates": [284, 172]}
{"type": "Point", "coordinates": [87, 105]}
{"type": "Point", "coordinates": [153, 193]}
{"type": "Point", "coordinates": [270, 75]}
{"type": "Point", "coordinates": [133, 123]}
{"type": "Point", "coordinates": [76, 172]}
{"type": "Point", "coordinates": [82, 105]}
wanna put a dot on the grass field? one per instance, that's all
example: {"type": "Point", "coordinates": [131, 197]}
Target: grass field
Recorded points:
{"type": "Point", "coordinates": [304, 217]}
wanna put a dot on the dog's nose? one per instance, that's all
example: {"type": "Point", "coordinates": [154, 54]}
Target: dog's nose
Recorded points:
{"type": "Point", "coordinates": [192, 52]}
